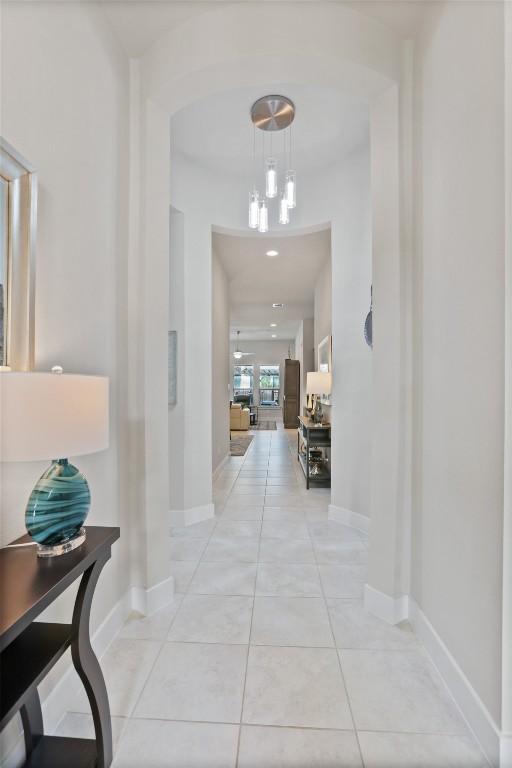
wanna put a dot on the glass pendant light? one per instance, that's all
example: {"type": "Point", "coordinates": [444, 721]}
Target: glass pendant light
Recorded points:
{"type": "Point", "coordinates": [271, 177]}
{"type": "Point", "coordinates": [254, 209]}
{"type": "Point", "coordinates": [290, 189]}
{"type": "Point", "coordinates": [263, 217]}
{"type": "Point", "coordinates": [289, 179]}
{"type": "Point", "coordinates": [284, 213]}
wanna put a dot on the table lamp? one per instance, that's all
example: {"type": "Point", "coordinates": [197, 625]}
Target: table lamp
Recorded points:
{"type": "Point", "coordinates": [318, 383]}
{"type": "Point", "coordinates": [52, 416]}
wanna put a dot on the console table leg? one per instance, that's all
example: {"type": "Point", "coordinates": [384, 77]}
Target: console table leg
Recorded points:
{"type": "Point", "coordinates": [87, 665]}
{"type": "Point", "coordinates": [32, 720]}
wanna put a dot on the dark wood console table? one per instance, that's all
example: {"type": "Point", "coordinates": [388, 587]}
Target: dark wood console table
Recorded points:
{"type": "Point", "coordinates": [314, 437]}
{"type": "Point", "coordinates": [29, 648]}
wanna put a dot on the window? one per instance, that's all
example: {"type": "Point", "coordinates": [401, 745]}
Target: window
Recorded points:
{"type": "Point", "coordinates": [243, 378]}
{"type": "Point", "coordinates": [269, 385]}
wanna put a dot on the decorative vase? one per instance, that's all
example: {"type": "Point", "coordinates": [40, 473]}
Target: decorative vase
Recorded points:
{"type": "Point", "coordinates": [317, 413]}
{"type": "Point", "coordinates": [58, 505]}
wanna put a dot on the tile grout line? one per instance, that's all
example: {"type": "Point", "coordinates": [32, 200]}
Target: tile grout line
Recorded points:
{"type": "Point", "coordinates": [247, 658]}
{"type": "Point", "coordinates": [165, 640]}
{"type": "Point", "coordinates": [349, 703]}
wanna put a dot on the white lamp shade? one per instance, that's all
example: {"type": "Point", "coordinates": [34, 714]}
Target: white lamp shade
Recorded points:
{"type": "Point", "coordinates": [318, 383]}
{"type": "Point", "coordinates": [52, 416]}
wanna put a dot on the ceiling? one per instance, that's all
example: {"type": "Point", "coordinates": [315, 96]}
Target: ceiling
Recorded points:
{"type": "Point", "coordinates": [139, 23]}
{"type": "Point", "coordinates": [217, 132]}
{"type": "Point", "coordinates": [256, 281]}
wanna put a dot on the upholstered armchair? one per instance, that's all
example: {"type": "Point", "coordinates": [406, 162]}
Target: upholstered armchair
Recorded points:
{"type": "Point", "coordinates": [238, 417]}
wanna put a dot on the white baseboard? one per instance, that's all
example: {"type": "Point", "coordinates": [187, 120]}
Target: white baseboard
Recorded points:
{"type": "Point", "coordinates": [58, 702]}
{"type": "Point", "coordinates": [474, 711]}
{"type": "Point", "coordinates": [506, 750]}
{"type": "Point", "coordinates": [16, 756]}
{"type": "Point", "coordinates": [218, 469]}
{"type": "Point", "coordinates": [347, 517]}
{"type": "Point", "coordinates": [193, 515]}
{"type": "Point", "coordinates": [392, 610]}
{"type": "Point", "coordinates": [60, 699]}
{"type": "Point", "coordinates": [148, 601]}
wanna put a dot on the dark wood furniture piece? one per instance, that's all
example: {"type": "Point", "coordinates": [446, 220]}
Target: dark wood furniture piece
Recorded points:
{"type": "Point", "coordinates": [291, 393]}
{"type": "Point", "coordinates": [314, 437]}
{"type": "Point", "coordinates": [29, 648]}
{"type": "Point", "coordinates": [253, 414]}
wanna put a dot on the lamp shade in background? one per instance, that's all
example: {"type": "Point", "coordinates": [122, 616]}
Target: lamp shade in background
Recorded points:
{"type": "Point", "coordinates": [52, 416]}
{"type": "Point", "coordinates": [318, 383]}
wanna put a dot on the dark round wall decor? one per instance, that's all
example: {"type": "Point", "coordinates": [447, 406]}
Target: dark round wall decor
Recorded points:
{"type": "Point", "coordinates": [368, 329]}
{"type": "Point", "coordinates": [368, 324]}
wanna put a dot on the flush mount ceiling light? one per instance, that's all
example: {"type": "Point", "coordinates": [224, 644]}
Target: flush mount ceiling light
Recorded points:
{"type": "Point", "coordinates": [273, 325]}
{"type": "Point", "coordinates": [274, 335]}
{"type": "Point", "coordinates": [272, 114]}
{"type": "Point", "coordinates": [272, 254]}
{"type": "Point", "coordinates": [278, 305]}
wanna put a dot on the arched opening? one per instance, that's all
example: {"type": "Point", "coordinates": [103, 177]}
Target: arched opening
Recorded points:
{"type": "Point", "coordinates": [165, 91]}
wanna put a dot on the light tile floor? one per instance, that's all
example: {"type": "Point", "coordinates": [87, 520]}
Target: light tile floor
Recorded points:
{"type": "Point", "coordinates": [265, 658]}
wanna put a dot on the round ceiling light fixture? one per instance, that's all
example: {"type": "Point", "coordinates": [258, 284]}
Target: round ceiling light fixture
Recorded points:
{"type": "Point", "coordinates": [274, 335]}
{"type": "Point", "coordinates": [278, 305]}
{"type": "Point", "coordinates": [273, 325]}
{"type": "Point", "coordinates": [273, 113]}
{"type": "Point", "coordinates": [272, 253]}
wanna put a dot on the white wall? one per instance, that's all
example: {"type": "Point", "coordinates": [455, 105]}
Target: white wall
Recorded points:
{"type": "Point", "coordinates": [458, 494]}
{"type": "Point", "coordinates": [221, 366]}
{"type": "Point", "coordinates": [64, 106]}
{"type": "Point", "coordinates": [323, 305]}
{"type": "Point", "coordinates": [193, 198]}
{"type": "Point", "coordinates": [65, 109]}
{"type": "Point", "coordinates": [176, 412]}
{"type": "Point", "coordinates": [351, 357]}
{"type": "Point", "coordinates": [322, 323]}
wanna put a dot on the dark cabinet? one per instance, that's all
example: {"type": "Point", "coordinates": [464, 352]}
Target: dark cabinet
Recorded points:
{"type": "Point", "coordinates": [291, 394]}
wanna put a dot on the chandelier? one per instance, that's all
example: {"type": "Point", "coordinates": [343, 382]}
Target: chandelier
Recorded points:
{"type": "Point", "coordinates": [272, 114]}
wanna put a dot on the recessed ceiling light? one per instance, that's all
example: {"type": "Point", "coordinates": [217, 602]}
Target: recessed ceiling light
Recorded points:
{"type": "Point", "coordinates": [278, 305]}
{"type": "Point", "coordinates": [273, 325]}
{"type": "Point", "coordinates": [272, 253]}
{"type": "Point", "coordinates": [274, 335]}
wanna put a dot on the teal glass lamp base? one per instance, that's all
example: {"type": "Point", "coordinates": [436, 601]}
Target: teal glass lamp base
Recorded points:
{"type": "Point", "coordinates": [57, 509]}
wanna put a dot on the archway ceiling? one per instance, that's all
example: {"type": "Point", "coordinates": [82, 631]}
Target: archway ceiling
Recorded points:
{"type": "Point", "coordinates": [256, 281]}
{"type": "Point", "coordinates": [217, 133]}
{"type": "Point", "coordinates": [139, 23]}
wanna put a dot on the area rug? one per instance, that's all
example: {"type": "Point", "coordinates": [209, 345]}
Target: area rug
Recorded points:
{"type": "Point", "coordinates": [265, 425]}
{"type": "Point", "coordinates": [239, 445]}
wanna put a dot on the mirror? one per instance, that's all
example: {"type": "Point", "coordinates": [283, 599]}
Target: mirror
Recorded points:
{"type": "Point", "coordinates": [18, 200]}
{"type": "Point", "coordinates": [4, 213]}
{"type": "Point", "coordinates": [325, 363]}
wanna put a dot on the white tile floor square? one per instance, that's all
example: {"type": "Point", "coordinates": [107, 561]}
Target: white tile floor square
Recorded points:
{"type": "Point", "coordinates": [293, 621]}
{"type": "Point", "coordinates": [300, 687]}
{"type": "Point", "coordinates": [263, 747]}
{"type": "Point", "coordinates": [195, 681]}
{"type": "Point", "coordinates": [213, 619]}
{"type": "Point", "coordinates": [167, 744]}
{"type": "Point", "coordinates": [268, 659]}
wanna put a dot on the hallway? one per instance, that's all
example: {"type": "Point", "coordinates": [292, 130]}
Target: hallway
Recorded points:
{"type": "Point", "coordinates": [266, 658]}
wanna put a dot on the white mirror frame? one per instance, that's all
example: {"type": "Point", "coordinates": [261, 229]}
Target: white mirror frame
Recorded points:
{"type": "Point", "coordinates": [19, 325]}
{"type": "Point", "coordinates": [324, 363]}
